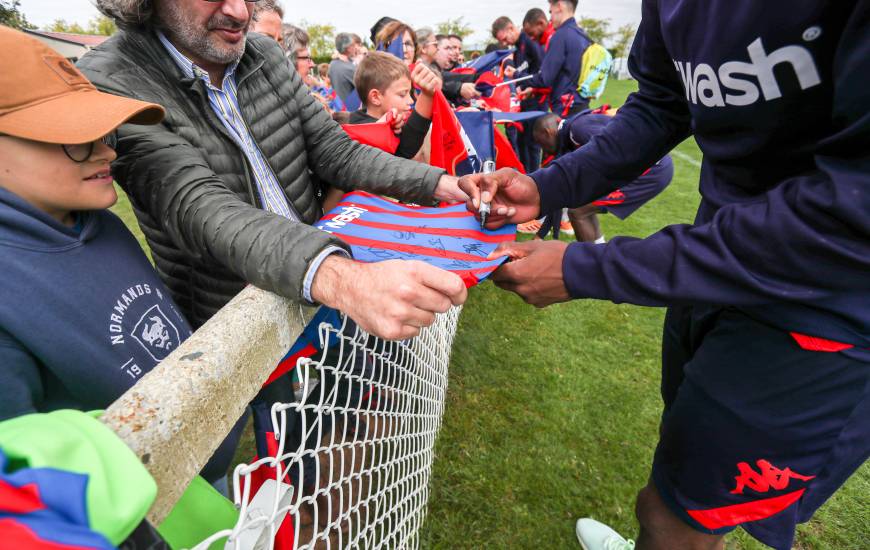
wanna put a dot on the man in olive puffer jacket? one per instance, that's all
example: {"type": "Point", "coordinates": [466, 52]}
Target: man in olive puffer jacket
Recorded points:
{"type": "Point", "coordinates": [222, 188]}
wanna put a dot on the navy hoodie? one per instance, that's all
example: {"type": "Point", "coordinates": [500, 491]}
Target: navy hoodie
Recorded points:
{"type": "Point", "coordinates": [560, 69]}
{"type": "Point", "coordinates": [528, 51]}
{"type": "Point", "coordinates": [83, 315]}
{"type": "Point", "coordinates": [777, 95]}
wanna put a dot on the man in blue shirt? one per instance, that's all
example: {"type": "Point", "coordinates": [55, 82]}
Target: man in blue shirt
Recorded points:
{"type": "Point", "coordinates": [560, 69]}
{"type": "Point", "coordinates": [527, 61]}
{"type": "Point", "coordinates": [766, 343]}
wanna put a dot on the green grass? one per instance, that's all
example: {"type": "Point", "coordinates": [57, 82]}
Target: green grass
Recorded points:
{"type": "Point", "coordinates": [553, 414]}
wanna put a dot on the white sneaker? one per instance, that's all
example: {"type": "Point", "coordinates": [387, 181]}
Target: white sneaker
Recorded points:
{"type": "Point", "coordinates": [594, 535]}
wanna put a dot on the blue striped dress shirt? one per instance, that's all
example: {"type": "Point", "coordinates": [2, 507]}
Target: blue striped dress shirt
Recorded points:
{"type": "Point", "coordinates": [225, 103]}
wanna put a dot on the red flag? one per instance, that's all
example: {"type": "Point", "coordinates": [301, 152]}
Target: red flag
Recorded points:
{"type": "Point", "coordinates": [499, 97]}
{"type": "Point", "coordinates": [448, 147]}
{"type": "Point", "coordinates": [376, 134]}
{"type": "Point", "coordinates": [505, 156]}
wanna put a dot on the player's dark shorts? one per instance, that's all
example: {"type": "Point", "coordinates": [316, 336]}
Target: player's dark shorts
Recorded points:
{"type": "Point", "coordinates": [756, 431]}
{"type": "Point", "coordinates": [624, 201]}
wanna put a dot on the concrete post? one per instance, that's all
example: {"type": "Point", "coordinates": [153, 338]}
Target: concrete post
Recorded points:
{"type": "Point", "coordinates": [177, 415]}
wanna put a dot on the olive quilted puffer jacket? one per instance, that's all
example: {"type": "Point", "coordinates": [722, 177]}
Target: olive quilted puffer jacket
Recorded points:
{"type": "Point", "coordinates": [192, 189]}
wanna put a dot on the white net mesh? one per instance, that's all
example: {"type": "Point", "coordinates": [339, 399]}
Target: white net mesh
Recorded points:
{"type": "Point", "coordinates": [354, 451]}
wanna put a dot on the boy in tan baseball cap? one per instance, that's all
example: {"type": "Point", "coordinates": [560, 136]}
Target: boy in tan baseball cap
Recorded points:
{"type": "Point", "coordinates": [52, 121]}
{"type": "Point", "coordinates": [83, 314]}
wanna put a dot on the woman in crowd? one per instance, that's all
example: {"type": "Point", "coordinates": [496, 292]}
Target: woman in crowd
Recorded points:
{"type": "Point", "coordinates": [396, 30]}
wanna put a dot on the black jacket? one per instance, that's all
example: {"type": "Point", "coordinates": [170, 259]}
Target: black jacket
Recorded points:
{"type": "Point", "coordinates": [191, 186]}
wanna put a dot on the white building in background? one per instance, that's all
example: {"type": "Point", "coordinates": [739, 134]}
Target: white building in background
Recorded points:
{"type": "Point", "coordinates": [619, 70]}
{"type": "Point", "coordinates": [71, 46]}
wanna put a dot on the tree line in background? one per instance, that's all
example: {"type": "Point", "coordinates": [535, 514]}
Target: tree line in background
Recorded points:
{"type": "Point", "coordinates": [323, 35]}
{"type": "Point", "coordinates": [11, 16]}
{"type": "Point", "coordinates": [98, 25]}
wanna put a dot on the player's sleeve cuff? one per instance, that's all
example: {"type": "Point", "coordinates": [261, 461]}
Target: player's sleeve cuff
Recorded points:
{"type": "Point", "coordinates": [553, 188]}
{"type": "Point", "coordinates": [582, 273]}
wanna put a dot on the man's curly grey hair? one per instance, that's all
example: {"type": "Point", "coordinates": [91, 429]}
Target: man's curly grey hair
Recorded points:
{"type": "Point", "coordinates": [265, 6]}
{"type": "Point", "coordinates": [295, 38]}
{"type": "Point", "coordinates": [129, 14]}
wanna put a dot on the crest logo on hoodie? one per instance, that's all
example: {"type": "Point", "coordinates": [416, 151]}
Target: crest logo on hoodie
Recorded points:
{"type": "Point", "coordinates": [156, 333]}
{"type": "Point", "coordinates": [140, 314]}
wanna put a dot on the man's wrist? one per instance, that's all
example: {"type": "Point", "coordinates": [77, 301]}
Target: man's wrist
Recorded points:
{"type": "Point", "coordinates": [543, 179]}
{"type": "Point", "coordinates": [448, 190]}
{"type": "Point", "coordinates": [327, 286]}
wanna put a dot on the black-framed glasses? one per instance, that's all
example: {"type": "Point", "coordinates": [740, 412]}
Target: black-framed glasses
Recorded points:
{"type": "Point", "coordinates": [83, 151]}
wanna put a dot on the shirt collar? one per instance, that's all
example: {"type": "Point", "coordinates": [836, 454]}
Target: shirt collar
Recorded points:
{"type": "Point", "coordinates": [188, 67]}
{"type": "Point", "coordinates": [572, 22]}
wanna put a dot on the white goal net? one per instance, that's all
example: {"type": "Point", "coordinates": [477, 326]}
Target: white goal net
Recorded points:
{"type": "Point", "coordinates": [354, 450]}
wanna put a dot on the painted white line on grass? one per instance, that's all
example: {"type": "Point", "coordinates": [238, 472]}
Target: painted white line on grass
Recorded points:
{"type": "Point", "coordinates": [684, 157]}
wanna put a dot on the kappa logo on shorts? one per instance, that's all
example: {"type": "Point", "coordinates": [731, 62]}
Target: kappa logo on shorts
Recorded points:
{"type": "Point", "coordinates": [766, 478]}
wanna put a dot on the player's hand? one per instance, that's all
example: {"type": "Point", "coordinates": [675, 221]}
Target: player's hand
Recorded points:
{"type": "Point", "coordinates": [425, 79]}
{"type": "Point", "coordinates": [509, 71]}
{"type": "Point", "coordinates": [392, 300]}
{"type": "Point", "coordinates": [534, 271]}
{"type": "Point", "coordinates": [513, 197]}
{"type": "Point", "coordinates": [525, 93]}
{"type": "Point", "coordinates": [468, 91]}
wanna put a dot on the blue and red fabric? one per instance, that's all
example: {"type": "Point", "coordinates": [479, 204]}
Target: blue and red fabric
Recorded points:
{"type": "Point", "coordinates": [490, 145]}
{"type": "Point", "coordinates": [494, 93]}
{"type": "Point", "coordinates": [451, 149]}
{"type": "Point", "coordinates": [333, 100]}
{"type": "Point", "coordinates": [449, 237]}
{"type": "Point", "coordinates": [478, 126]}
{"type": "Point", "coordinates": [509, 118]}
{"type": "Point", "coordinates": [353, 102]}
{"type": "Point", "coordinates": [486, 62]}
{"type": "Point", "coordinates": [505, 155]}
{"type": "Point", "coordinates": [395, 47]}
{"type": "Point", "coordinates": [309, 342]}
{"type": "Point", "coordinates": [375, 134]}
{"type": "Point", "coordinates": [45, 508]}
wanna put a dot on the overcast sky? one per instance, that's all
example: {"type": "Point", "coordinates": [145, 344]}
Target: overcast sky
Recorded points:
{"type": "Point", "coordinates": [359, 15]}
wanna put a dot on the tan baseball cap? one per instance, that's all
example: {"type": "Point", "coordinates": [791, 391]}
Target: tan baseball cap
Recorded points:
{"type": "Point", "coordinates": [43, 97]}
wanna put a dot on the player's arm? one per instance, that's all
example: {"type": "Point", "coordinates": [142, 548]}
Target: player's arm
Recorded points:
{"type": "Point", "coordinates": [653, 121]}
{"type": "Point", "coordinates": [534, 55]}
{"type": "Point", "coordinates": [805, 239]}
{"type": "Point", "coordinates": [550, 66]}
